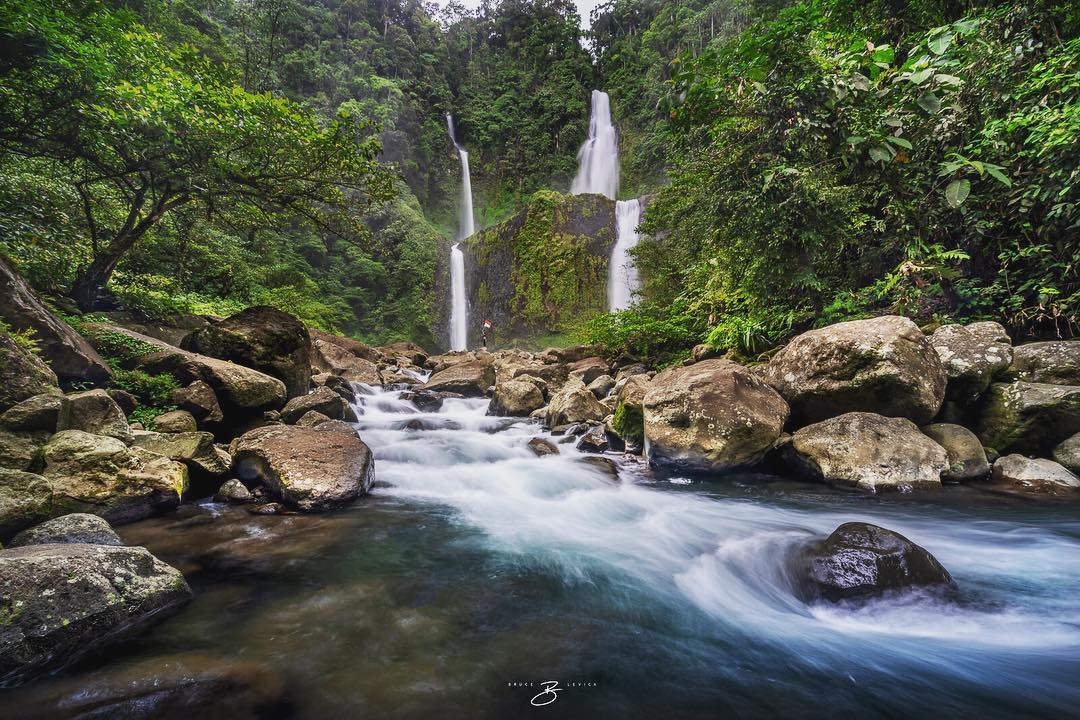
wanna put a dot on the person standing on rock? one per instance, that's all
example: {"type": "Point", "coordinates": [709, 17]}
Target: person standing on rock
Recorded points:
{"type": "Point", "coordinates": [484, 333]}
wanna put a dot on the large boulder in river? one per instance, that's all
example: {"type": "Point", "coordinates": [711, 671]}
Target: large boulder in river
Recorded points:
{"type": "Point", "coordinates": [95, 412]}
{"type": "Point", "coordinates": [967, 458]}
{"type": "Point", "coordinates": [263, 338]}
{"type": "Point", "coordinates": [335, 359]}
{"type": "Point", "coordinates": [61, 601]}
{"type": "Point", "coordinates": [101, 475]}
{"type": "Point", "coordinates": [883, 365]}
{"type": "Point", "coordinates": [303, 467]}
{"type": "Point", "coordinates": [323, 400]}
{"type": "Point", "coordinates": [74, 528]}
{"type": "Point", "coordinates": [972, 355]}
{"type": "Point", "coordinates": [68, 354]}
{"type": "Point", "coordinates": [353, 347]}
{"type": "Point", "coordinates": [25, 500]}
{"type": "Point", "coordinates": [859, 560]}
{"type": "Point", "coordinates": [1037, 476]}
{"type": "Point", "coordinates": [1056, 362]}
{"type": "Point", "coordinates": [471, 379]}
{"type": "Point", "coordinates": [714, 415]}
{"type": "Point", "coordinates": [1028, 417]}
{"type": "Point", "coordinates": [869, 452]}
{"type": "Point", "coordinates": [574, 404]}
{"type": "Point", "coordinates": [516, 398]}
{"type": "Point", "coordinates": [1067, 452]}
{"type": "Point", "coordinates": [22, 375]}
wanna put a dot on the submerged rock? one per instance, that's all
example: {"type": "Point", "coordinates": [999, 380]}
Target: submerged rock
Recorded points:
{"type": "Point", "coordinates": [60, 601]}
{"type": "Point", "coordinates": [714, 415]}
{"type": "Point", "coordinates": [76, 528]}
{"type": "Point", "coordinates": [1037, 476]}
{"type": "Point", "coordinates": [870, 452]}
{"type": "Point", "coordinates": [607, 466]}
{"type": "Point", "coordinates": [858, 560]}
{"type": "Point", "coordinates": [883, 365]}
{"type": "Point", "coordinates": [542, 447]}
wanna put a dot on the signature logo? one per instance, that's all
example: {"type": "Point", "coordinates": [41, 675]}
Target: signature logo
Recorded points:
{"type": "Point", "coordinates": [549, 695]}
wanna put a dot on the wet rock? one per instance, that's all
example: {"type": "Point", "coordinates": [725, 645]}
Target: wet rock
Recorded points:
{"type": "Point", "coordinates": [66, 352]}
{"type": "Point", "coordinates": [607, 466]}
{"type": "Point", "coordinates": [101, 475]}
{"type": "Point", "coordinates": [25, 500]}
{"type": "Point", "coordinates": [75, 528]}
{"type": "Point", "coordinates": [595, 440]}
{"type": "Point", "coordinates": [589, 369]}
{"type": "Point", "coordinates": [233, 491]}
{"type": "Point", "coordinates": [262, 338]}
{"type": "Point", "coordinates": [21, 449]}
{"type": "Point", "coordinates": [1037, 476]}
{"type": "Point", "coordinates": [574, 404]}
{"type": "Point", "coordinates": [22, 375]}
{"type": "Point", "coordinates": [1056, 363]}
{"type": "Point", "coordinates": [883, 365]}
{"type": "Point", "coordinates": [311, 418]}
{"type": "Point", "coordinates": [272, 508]}
{"type": "Point", "coordinates": [176, 421]}
{"type": "Point", "coordinates": [1067, 453]}
{"type": "Point", "coordinates": [1028, 417]}
{"type": "Point", "coordinates": [601, 386]}
{"type": "Point", "coordinates": [199, 399]}
{"type": "Point", "coordinates": [423, 401]}
{"type": "Point", "coordinates": [96, 412]}
{"type": "Point", "coordinates": [471, 379]}
{"type": "Point", "coordinates": [305, 468]}
{"type": "Point", "coordinates": [194, 449]}
{"type": "Point", "coordinates": [870, 452]}
{"type": "Point", "coordinates": [971, 355]}
{"type": "Point", "coordinates": [516, 398]}
{"type": "Point", "coordinates": [860, 560]}
{"type": "Point", "coordinates": [40, 412]}
{"type": "Point", "coordinates": [336, 360]}
{"type": "Point", "coordinates": [60, 601]}
{"type": "Point", "coordinates": [710, 416]}
{"type": "Point", "coordinates": [542, 447]}
{"type": "Point", "coordinates": [323, 400]}
{"type": "Point", "coordinates": [966, 457]}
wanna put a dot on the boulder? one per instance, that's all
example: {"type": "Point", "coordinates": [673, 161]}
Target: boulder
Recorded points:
{"type": "Point", "coordinates": [128, 403]}
{"type": "Point", "coordinates": [101, 475]}
{"type": "Point", "coordinates": [175, 421]}
{"type": "Point", "coordinates": [340, 385]}
{"type": "Point", "coordinates": [705, 352]}
{"type": "Point", "coordinates": [22, 375]}
{"type": "Point", "coordinates": [870, 452]}
{"type": "Point", "coordinates": [25, 500]}
{"type": "Point", "coordinates": [1056, 362]}
{"type": "Point", "coordinates": [323, 400]}
{"type": "Point", "coordinates": [305, 468]}
{"type": "Point", "coordinates": [590, 368]}
{"type": "Point", "coordinates": [40, 412]}
{"type": "Point", "coordinates": [553, 376]}
{"type": "Point", "coordinates": [311, 418]}
{"type": "Point", "coordinates": [1067, 452]}
{"type": "Point", "coordinates": [199, 399]}
{"type": "Point", "coordinates": [67, 353]}
{"type": "Point", "coordinates": [1037, 476]}
{"type": "Point", "coordinates": [423, 400]}
{"type": "Point", "coordinates": [967, 459]}
{"type": "Point", "coordinates": [573, 404]}
{"type": "Point", "coordinates": [262, 338]}
{"type": "Point", "coordinates": [859, 560]}
{"type": "Point", "coordinates": [21, 449]}
{"type": "Point", "coordinates": [971, 355]}
{"type": "Point", "coordinates": [407, 351]}
{"type": "Point", "coordinates": [75, 528]}
{"type": "Point", "coordinates": [233, 491]}
{"type": "Point", "coordinates": [471, 379]}
{"type": "Point", "coordinates": [354, 347]}
{"type": "Point", "coordinates": [542, 447]}
{"type": "Point", "coordinates": [95, 412]}
{"type": "Point", "coordinates": [61, 601]}
{"type": "Point", "coordinates": [337, 426]}
{"type": "Point", "coordinates": [601, 386]}
{"type": "Point", "coordinates": [605, 466]}
{"type": "Point", "coordinates": [883, 365]}
{"type": "Point", "coordinates": [594, 441]}
{"type": "Point", "coordinates": [517, 398]}
{"type": "Point", "coordinates": [194, 449]}
{"type": "Point", "coordinates": [1028, 417]}
{"type": "Point", "coordinates": [712, 416]}
{"type": "Point", "coordinates": [336, 360]}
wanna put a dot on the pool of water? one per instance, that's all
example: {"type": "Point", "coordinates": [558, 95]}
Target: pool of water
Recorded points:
{"type": "Point", "coordinates": [476, 571]}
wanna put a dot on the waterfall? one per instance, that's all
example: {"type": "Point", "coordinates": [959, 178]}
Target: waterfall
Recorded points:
{"type": "Point", "coordinates": [623, 279]}
{"type": "Point", "coordinates": [598, 158]}
{"type": "Point", "coordinates": [459, 311]}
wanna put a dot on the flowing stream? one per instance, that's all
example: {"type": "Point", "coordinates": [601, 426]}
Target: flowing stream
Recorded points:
{"type": "Point", "coordinates": [475, 565]}
{"type": "Point", "coordinates": [459, 309]}
{"type": "Point", "coordinates": [623, 279]}
{"type": "Point", "coordinates": [598, 158]}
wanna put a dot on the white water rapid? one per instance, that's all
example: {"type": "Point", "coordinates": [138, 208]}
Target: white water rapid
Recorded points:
{"type": "Point", "coordinates": [598, 158]}
{"type": "Point", "coordinates": [459, 310]}
{"type": "Point", "coordinates": [623, 279]}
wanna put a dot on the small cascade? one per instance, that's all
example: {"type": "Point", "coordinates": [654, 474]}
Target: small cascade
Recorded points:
{"type": "Point", "coordinates": [459, 311]}
{"type": "Point", "coordinates": [623, 279]}
{"type": "Point", "coordinates": [598, 158]}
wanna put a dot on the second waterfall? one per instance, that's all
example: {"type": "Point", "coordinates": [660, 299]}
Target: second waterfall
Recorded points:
{"type": "Point", "coordinates": [459, 309]}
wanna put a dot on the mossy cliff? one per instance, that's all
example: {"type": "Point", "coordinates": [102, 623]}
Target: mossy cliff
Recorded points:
{"type": "Point", "coordinates": [541, 271]}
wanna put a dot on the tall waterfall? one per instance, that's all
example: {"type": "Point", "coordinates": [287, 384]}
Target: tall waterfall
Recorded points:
{"type": "Point", "coordinates": [459, 310]}
{"type": "Point", "coordinates": [598, 158]}
{"type": "Point", "coordinates": [623, 278]}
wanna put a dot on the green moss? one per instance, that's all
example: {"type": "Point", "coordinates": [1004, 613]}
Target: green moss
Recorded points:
{"type": "Point", "coordinates": [629, 422]}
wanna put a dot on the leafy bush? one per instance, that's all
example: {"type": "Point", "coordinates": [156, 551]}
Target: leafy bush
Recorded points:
{"type": "Point", "coordinates": [655, 334]}
{"type": "Point", "coordinates": [150, 390]}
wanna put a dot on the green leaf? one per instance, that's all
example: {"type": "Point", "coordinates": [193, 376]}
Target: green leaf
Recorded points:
{"type": "Point", "coordinates": [940, 43]}
{"type": "Point", "coordinates": [883, 54]}
{"type": "Point", "coordinates": [880, 153]}
{"type": "Point", "coordinates": [929, 102]}
{"type": "Point", "coordinates": [855, 139]}
{"type": "Point", "coordinates": [920, 76]}
{"type": "Point", "coordinates": [957, 192]}
{"type": "Point", "coordinates": [998, 175]}
{"type": "Point", "coordinates": [944, 79]}
{"type": "Point", "coordinates": [898, 141]}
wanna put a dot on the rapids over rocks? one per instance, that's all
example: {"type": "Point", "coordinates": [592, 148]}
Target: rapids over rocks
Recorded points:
{"type": "Point", "coordinates": [476, 564]}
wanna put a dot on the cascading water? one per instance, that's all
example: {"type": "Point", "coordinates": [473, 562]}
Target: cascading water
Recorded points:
{"type": "Point", "coordinates": [623, 278]}
{"type": "Point", "coordinates": [459, 310]}
{"type": "Point", "coordinates": [598, 158]}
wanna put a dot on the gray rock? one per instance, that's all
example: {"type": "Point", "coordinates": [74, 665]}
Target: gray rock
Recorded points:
{"type": "Point", "coordinates": [1067, 453]}
{"type": "Point", "coordinates": [95, 412]}
{"type": "Point", "coordinates": [967, 459]}
{"type": "Point", "coordinates": [601, 386]}
{"type": "Point", "coordinates": [40, 412]}
{"type": "Point", "coordinates": [331, 357]}
{"type": "Point", "coordinates": [61, 601]}
{"type": "Point", "coordinates": [311, 418]}
{"type": "Point", "coordinates": [516, 398]}
{"type": "Point", "coordinates": [972, 356]}
{"type": "Point", "coordinates": [233, 491]}
{"type": "Point", "coordinates": [21, 449]}
{"type": "Point", "coordinates": [75, 528]}
{"type": "Point", "coordinates": [22, 375]}
{"type": "Point", "coordinates": [1028, 417]}
{"type": "Point", "coordinates": [199, 399]}
{"type": "Point", "coordinates": [589, 369]}
{"type": "Point", "coordinates": [1037, 476]}
{"type": "Point", "coordinates": [573, 404]}
{"type": "Point", "coordinates": [471, 379]}
{"type": "Point", "coordinates": [194, 449]}
{"type": "Point", "coordinates": [25, 500]}
{"type": "Point", "coordinates": [1056, 362]}
{"type": "Point", "coordinates": [176, 421]}
{"type": "Point", "coordinates": [323, 400]}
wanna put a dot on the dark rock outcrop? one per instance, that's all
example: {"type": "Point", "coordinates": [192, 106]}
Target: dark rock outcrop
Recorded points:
{"type": "Point", "coordinates": [1028, 417]}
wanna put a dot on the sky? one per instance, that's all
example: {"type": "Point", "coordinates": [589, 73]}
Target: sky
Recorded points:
{"type": "Point", "coordinates": [584, 7]}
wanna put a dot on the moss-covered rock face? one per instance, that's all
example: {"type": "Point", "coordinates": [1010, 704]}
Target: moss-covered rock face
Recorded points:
{"type": "Point", "coordinates": [541, 271]}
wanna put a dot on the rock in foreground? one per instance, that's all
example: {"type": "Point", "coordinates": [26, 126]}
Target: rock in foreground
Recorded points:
{"type": "Point", "coordinates": [1038, 476]}
{"type": "Point", "coordinates": [860, 559]}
